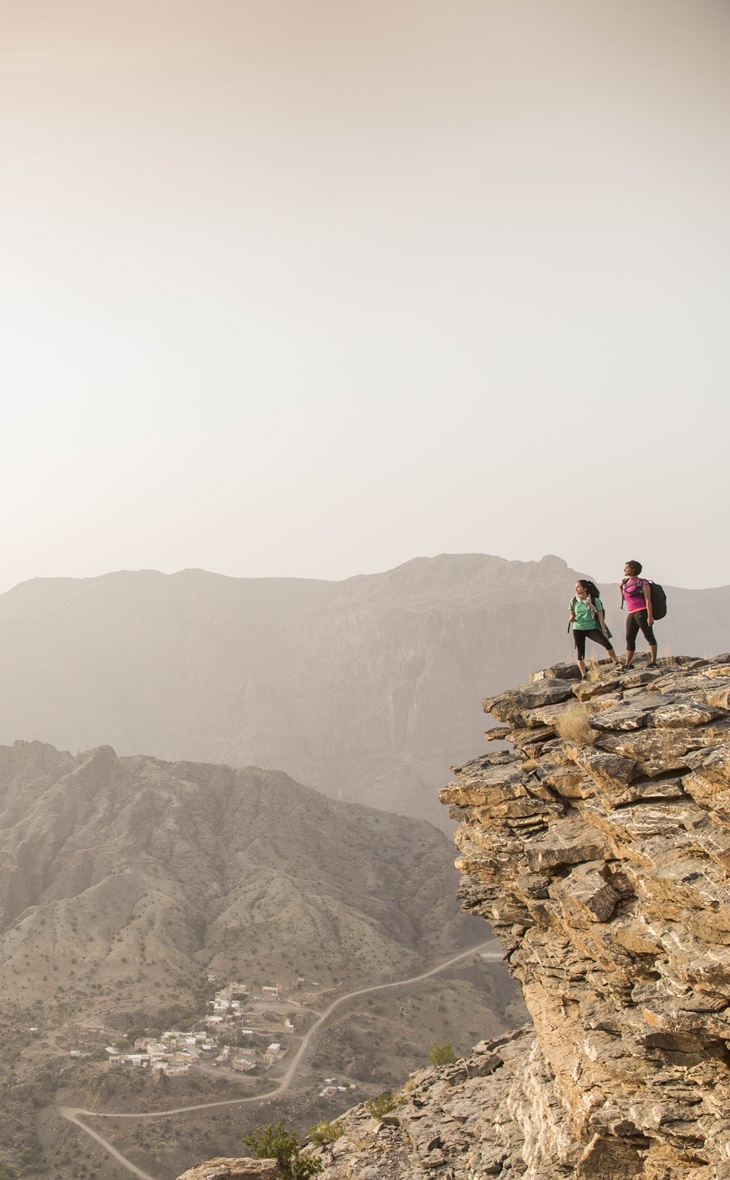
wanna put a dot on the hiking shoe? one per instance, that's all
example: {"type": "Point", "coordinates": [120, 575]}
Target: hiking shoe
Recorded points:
{"type": "Point", "coordinates": [653, 664]}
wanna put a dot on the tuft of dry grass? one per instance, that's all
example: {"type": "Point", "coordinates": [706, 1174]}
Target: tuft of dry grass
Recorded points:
{"type": "Point", "coordinates": [324, 1132]}
{"type": "Point", "coordinates": [574, 725]}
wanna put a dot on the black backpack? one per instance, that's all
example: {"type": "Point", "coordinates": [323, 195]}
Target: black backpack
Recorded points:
{"type": "Point", "coordinates": [658, 599]}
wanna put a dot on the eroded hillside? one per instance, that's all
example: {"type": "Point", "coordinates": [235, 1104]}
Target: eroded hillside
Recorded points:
{"type": "Point", "coordinates": [123, 879]}
{"type": "Point", "coordinates": [132, 889]}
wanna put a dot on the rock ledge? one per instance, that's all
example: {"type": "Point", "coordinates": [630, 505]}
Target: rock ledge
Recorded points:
{"type": "Point", "coordinates": [598, 849]}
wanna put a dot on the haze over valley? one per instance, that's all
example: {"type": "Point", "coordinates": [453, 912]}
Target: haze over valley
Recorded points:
{"type": "Point", "coordinates": [322, 322]}
{"type": "Point", "coordinates": [155, 845]}
{"type": "Point", "coordinates": [367, 689]}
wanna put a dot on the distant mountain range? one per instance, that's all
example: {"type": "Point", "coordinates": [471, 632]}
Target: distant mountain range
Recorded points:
{"type": "Point", "coordinates": [366, 689]}
{"type": "Point", "coordinates": [123, 881]}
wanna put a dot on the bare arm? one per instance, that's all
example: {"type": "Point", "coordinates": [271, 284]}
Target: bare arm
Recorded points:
{"type": "Point", "coordinates": [647, 600]}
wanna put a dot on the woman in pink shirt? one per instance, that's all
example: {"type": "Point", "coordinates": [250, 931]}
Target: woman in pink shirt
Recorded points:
{"type": "Point", "coordinates": [637, 597]}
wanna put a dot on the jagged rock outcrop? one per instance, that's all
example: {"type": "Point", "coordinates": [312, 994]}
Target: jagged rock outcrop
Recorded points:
{"type": "Point", "coordinates": [599, 852]}
{"type": "Point", "coordinates": [598, 849]}
{"type": "Point", "coordinates": [493, 1113]}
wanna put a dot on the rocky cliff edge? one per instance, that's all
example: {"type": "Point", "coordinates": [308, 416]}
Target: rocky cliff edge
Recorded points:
{"type": "Point", "coordinates": [598, 849]}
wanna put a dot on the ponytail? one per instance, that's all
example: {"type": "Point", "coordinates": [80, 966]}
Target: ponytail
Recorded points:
{"type": "Point", "coordinates": [591, 587]}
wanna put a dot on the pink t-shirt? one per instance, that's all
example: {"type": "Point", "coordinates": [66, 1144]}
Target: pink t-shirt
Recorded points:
{"type": "Point", "coordinates": [633, 592]}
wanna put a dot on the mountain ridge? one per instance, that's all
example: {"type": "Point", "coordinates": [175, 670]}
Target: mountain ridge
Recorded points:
{"type": "Point", "coordinates": [364, 689]}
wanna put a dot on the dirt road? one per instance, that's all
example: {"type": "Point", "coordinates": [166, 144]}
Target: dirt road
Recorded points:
{"type": "Point", "coordinates": [74, 1114]}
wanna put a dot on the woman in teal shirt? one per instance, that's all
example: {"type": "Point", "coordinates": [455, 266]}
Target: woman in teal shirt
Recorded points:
{"type": "Point", "coordinates": [589, 622]}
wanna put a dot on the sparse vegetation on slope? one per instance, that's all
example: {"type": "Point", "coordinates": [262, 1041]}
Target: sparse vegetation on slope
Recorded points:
{"type": "Point", "coordinates": [273, 1141]}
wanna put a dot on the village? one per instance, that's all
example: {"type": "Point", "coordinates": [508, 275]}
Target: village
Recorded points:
{"type": "Point", "coordinates": [244, 1032]}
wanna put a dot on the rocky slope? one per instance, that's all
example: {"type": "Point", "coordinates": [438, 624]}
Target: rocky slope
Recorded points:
{"type": "Point", "coordinates": [366, 689]}
{"type": "Point", "coordinates": [598, 849]}
{"type": "Point", "coordinates": [124, 880]}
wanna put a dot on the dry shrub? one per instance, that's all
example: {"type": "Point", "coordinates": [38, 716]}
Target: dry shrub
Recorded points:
{"type": "Point", "coordinates": [324, 1132]}
{"type": "Point", "coordinates": [574, 725]}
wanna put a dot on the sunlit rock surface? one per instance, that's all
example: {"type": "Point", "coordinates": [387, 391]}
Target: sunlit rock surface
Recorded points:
{"type": "Point", "coordinates": [598, 851]}
{"type": "Point", "coordinates": [235, 1169]}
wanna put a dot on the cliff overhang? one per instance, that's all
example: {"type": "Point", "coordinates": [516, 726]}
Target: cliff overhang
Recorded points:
{"type": "Point", "coordinates": [598, 849]}
{"type": "Point", "coordinates": [596, 843]}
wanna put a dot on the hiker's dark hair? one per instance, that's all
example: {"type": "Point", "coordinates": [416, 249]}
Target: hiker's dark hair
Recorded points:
{"type": "Point", "coordinates": [591, 587]}
{"type": "Point", "coordinates": [636, 567]}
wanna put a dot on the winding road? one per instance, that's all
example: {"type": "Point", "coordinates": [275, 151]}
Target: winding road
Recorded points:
{"type": "Point", "coordinates": [74, 1113]}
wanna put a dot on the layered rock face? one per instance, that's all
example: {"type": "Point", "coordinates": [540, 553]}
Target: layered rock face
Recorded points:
{"type": "Point", "coordinates": [598, 849]}
{"type": "Point", "coordinates": [599, 852]}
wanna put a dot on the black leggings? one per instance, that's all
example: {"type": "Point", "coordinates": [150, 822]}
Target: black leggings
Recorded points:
{"type": "Point", "coordinates": [579, 638]}
{"type": "Point", "coordinates": [637, 621]}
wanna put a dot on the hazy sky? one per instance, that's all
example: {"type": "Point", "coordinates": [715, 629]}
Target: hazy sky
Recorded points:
{"type": "Point", "coordinates": [312, 287]}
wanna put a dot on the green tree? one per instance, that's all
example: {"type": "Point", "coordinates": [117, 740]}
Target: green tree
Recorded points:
{"type": "Point", "coordinates": [272, 1141]}
{"type": "Point", "coordinates": [442, 1054]}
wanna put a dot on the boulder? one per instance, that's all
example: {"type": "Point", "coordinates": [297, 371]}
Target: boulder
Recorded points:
{"type": "Point", "coordinates": [234, 1169]}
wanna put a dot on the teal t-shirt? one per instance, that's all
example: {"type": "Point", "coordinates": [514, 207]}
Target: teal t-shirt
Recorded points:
{"type": "Point", "coordinates": [585, 620]}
